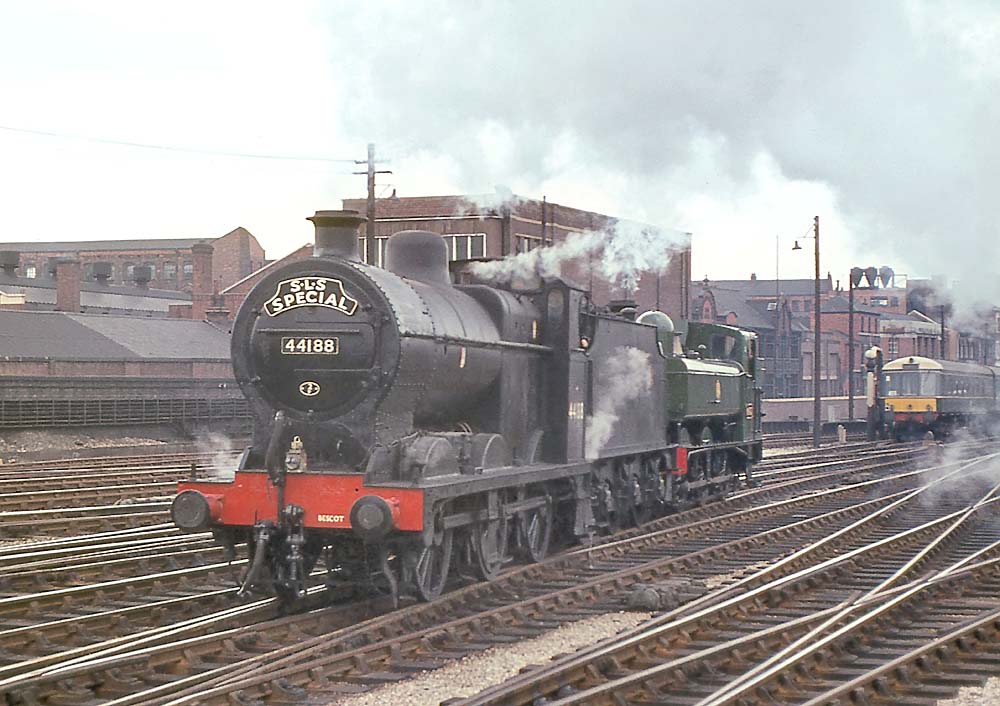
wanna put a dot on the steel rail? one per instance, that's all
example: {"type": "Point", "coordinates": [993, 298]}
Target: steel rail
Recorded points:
{"type": "Point", "coordinates": [704, 607]}
{"type": "Point", "coordinates": [363, 654]}
{"type": "Point", "coordinates": [710, 525]}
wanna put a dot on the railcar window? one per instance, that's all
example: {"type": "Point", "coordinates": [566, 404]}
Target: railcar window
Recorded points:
{"type": "Point", "coordinates": [911, 384]}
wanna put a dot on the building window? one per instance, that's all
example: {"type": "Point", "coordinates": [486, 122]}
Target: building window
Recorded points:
{"type": "Point", "coordinates": [771, 306]}
{"type": "Point", "coordinates": [795, 305]}
{"type": "Point", "coordinates": [466, 246]}
{"type": "Point", "coordinates": [152, 269]}
{"type": "Point", "coordinates": [380, 242]}
{"type": "Point", "coordinates": [129, 271]}
{"type": "Point", "coordinates": [170, 271]}
{"type": "Point", "coordinates": [894, 346]}
{"type": "Point", "coordinates": [526, 243]}
{"type": "Point", "coordinates": [30, 272]}
{"type": "Point", "coordinates": [808, 304]}
{"type": "Point", "coordinates": [188, 270]}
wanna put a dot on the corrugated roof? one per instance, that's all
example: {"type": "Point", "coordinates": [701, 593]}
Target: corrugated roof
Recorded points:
{"type": "Point", "coordinates": [766, 287]}
{"type": "Point", "coordinates": [41, 293]}
{"type": "Point", "coordinates": [42, 334]}
{"type": "Point", "coordinates": [102, 245]}
{"type": "Point", "coordinates": [159, 338]}
{"type": "Point", "coordinates": [45, 334]}
{"type": "Point", "coordinates": [7, 282]}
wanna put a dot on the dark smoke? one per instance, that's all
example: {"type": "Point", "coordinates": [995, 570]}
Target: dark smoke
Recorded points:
{"type": "Point", "coordinates": [659, 108]}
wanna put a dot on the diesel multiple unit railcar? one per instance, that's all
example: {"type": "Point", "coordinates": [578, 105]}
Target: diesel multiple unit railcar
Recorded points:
{"type": "Point", "coordinates": [408, 428]}
{"type": "Point", "coordinates": [938, 396]}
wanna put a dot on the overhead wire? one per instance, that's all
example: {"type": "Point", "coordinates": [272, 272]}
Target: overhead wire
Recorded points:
{"type": "Point", "coordinates": [173, 148]}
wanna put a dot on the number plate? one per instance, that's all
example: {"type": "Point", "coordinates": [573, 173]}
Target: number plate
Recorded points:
{"type": "Point", "coordinates": [310, 345]}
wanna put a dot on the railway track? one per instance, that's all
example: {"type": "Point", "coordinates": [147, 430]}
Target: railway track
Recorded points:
{"type": "Point", "coordinates": [57, 503]}
{"type": "Point", "coordinates": [220, 650]}
{"type": "Point", "coordinates": [785, 439]}
{"type": "Point", "coordinates": [900, 607]}
{"type": "Point", "coordinates": [69, 497]}
{"type": "Point", "coordinates": [64, 511]}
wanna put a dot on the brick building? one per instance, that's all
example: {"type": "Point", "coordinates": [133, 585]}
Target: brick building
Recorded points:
{"type": "Point", "coordinates": [475, 229]}
{"type": "Point", "coordinates": [64, 291]}
{"type": "Point", "coordinates": [782, 314]}
{"type": "Point", "coordinates": [170, 262]}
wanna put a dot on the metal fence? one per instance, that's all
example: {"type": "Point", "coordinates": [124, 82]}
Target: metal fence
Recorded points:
{"type": "Point", "coordinates": [85, 401]}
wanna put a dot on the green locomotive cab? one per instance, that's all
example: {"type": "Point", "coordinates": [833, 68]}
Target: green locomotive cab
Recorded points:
{"type": "Point", "coordinates": [713, 396]}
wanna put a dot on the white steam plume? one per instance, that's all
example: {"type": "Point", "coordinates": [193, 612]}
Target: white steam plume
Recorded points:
{"type": "Point", "coordinates": [221, 451]}
{"type": "Point", "coordinates": [622, 253]}
{"type": "Point", "coordinates": [627, 376]}
{"type": "Point", "coordinates": [503, 197]}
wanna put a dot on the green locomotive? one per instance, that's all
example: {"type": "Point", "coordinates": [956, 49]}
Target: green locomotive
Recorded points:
{"type": "Point", "coordinates": [712, 400]}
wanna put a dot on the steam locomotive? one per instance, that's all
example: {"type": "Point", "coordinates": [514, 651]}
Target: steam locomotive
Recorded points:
{"type": "Point", "coordinates": [408, 429]}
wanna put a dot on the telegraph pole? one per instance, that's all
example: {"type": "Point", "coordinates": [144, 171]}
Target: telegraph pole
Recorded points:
{"type": "Point", "coordinates": [850, 345]}
{"type": "Point", "coordinates": [370, 256]}
{"type": "Point", "coordinates": [817, 412]}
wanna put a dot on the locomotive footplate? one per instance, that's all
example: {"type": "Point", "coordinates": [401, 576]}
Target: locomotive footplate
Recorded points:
{"type": "Point", "coordinates": [327, 500]}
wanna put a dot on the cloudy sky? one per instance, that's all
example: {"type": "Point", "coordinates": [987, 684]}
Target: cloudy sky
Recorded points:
{"type": "Point", "coordinates": [736, 121]}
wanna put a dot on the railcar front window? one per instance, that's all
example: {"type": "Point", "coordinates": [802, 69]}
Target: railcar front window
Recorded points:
{"type": "Point", "coordinates": [911, 384]}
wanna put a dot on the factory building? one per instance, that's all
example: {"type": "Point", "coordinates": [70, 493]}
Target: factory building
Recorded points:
{"type": "Point", "coordinates": [489, 227]}
{"type": "Point", "coordinates": [154, 263]}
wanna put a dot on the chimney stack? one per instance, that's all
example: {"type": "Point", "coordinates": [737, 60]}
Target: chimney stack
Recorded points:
{"type": "Point", "coordinates": [10, 260]}
{"type": "Point", "coordinates": [201, 280]}
{"type": "Point", "coordinates": [337, 234]}
{"type": "Point", "coordinates": [67, 271]}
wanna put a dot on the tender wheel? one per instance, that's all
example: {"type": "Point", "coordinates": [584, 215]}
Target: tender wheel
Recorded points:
{"type": "Point", "coordinates": [536, 531]}
{"type": "Point", "coordinates": [430, 573]}
{"type": "Point", "coordinates": [489, 545]}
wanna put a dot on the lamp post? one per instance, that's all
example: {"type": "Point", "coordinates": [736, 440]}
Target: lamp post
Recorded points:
{"type": "Point", "coordinates": [853, 281]}
{"type": "Point", "coordinates": [817, 335]}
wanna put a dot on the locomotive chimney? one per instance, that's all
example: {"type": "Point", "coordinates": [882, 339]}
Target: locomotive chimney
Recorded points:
{"type": "Point", "coordinates": [67, 284]}
{"type": "Point", "coordinates": [10, 260]}
{"type": "Point", "coordinates": [336, 234]}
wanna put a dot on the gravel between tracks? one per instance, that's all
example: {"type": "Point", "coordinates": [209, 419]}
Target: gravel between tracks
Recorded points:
{"type": "Point", "coordinates": [29, 441]}
{"type": "Point", "coordinates": [472, 674]}
{"type": "Point", "coordinates": [987, 695]}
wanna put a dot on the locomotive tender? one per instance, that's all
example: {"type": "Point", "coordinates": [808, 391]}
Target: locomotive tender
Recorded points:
{"type": "Point", "coordinates": [406, 427]}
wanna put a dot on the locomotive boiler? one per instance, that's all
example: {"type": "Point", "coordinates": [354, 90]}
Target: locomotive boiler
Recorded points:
{"type": "Point", "coordinates": [404, 424]}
